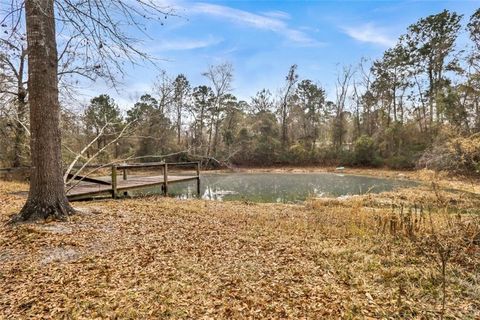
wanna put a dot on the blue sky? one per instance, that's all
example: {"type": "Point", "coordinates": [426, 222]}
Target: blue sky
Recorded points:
{"type": "Point", "coordinates": [263, 38]}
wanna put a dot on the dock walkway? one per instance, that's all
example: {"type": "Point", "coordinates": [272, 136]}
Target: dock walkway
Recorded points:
{"type": "Point", "coordinates": [87, 188]}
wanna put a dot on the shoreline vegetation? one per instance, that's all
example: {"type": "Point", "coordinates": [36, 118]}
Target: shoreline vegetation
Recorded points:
{"type": "Point", "coordinates": [410, 253]}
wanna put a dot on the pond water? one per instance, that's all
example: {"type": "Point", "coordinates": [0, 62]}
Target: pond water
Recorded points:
{"type": "Point", "coordinates": [280, 187]}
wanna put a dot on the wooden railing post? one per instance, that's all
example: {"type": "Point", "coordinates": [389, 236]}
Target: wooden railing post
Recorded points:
{"type": "Point", "coordinates": [125, 193]}
{"type": "Point", "coordinates": [165, 178]}
{"type": "Point", "coordinates": [198, 179]}
{"type": "Point", "coordinates": [114, 181]}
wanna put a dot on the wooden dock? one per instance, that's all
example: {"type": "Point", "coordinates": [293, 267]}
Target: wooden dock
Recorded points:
{"type": "Point", "coordinates": [87, 187]}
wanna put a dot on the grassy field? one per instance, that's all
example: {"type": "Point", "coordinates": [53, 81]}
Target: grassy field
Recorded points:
{"type": "Point", "coordinates": [407, 254]}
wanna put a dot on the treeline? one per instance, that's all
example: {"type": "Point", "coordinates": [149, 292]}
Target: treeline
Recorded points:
{"type": "Point", "coordinates": [417, 105]}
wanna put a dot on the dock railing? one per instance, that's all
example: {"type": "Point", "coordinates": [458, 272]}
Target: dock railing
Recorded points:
{"type": "Point", "coordinates": [163, 165]}
{"type": "Point", "coordinates": [93, 185]}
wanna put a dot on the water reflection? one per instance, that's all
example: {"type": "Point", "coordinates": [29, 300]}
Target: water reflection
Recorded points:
{"type": "Point", "coordinates": [282, 187]}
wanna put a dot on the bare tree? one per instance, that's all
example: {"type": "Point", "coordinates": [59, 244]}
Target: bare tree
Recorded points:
{"type": "Point", "coordinates": [342, 90]}
{"type": "Point", "coordinates": [82, 152]}
{"type": "Point", "coordinates": [220, 77]}
{"type": "Point", "coordinates": [291, 79]}
{"type": "Point", "coordinates": [13, 60]}
{"type": "Point", "coordinates": [47, 194]}
{"type": "Point", "coordinates": [97, 22]}
{"type": "Point", "coordinates": [164, 90]}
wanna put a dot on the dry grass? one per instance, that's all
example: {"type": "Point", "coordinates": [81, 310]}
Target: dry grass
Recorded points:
{"type": "Point", "coordinates": [367, 257]}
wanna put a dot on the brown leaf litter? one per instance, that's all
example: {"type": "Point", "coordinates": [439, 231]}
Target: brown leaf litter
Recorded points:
{"type": "Point", "coordinates": [150, 258]}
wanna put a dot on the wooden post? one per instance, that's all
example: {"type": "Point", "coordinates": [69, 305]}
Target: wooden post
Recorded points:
{"type": "Point", "coordinates": [114, 182]}
{"type": "Point", "coordinates": [125, 193]}
{"type": "Point", "coordinates": [198, 179]}
{"type": "Point", "coordinates": [165, 179]}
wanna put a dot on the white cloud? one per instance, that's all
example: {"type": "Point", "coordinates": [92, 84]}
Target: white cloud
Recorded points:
{"type": "Point", "coordinates": [277, 14]}
{"type": "Point", "coordinates": [271, 21]}
{"type": "Point", "coordinates": [184, 44]}
{"type": "Point", "coordinates": [369, 33]}
{"type": "Point", "coordinates": [240, 16]}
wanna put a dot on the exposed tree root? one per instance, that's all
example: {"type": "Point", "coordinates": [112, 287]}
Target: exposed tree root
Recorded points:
{"type": "Point", "coordinates": [35, 210]}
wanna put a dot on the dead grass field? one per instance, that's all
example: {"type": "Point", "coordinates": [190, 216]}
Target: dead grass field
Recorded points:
{"type": "Point", "coordinates": [368, 257]}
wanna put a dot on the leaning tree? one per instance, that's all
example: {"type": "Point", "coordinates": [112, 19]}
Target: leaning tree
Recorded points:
{"type": "Point", "coordinates": [103, 41]}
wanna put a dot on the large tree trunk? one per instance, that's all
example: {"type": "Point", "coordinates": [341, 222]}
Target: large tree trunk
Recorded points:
{"type": "Point", "coordinates": [46, 199]}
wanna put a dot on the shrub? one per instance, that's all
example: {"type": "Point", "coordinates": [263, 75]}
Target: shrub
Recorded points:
{"type": "Point", "coordinates": [297, 154]}
{"type": "Point", "coordinates": [365, 153]}
{"type": "Point", "coordinates": [346, 158]}
{"type": "Point", "coordinates": [401, 162]}
{"type": "Point", "coordinates": [326, 156]}
{"type": "Point", "coordinates": [453, 153]}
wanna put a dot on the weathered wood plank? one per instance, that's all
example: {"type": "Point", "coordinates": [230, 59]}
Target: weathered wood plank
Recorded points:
{"type": "Point", "coordinates": [133, 182]}
{"type": "Point", "coordinates": [87, 179]}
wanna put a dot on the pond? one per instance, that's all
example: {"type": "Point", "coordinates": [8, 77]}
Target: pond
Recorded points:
{"type": "Point", "coordinates": [280, 187]}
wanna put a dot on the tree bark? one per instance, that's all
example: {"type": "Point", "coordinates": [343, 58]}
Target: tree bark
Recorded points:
{"type": "Point", "coordinates": [284, 137]}
{"type": "Point", "coordinates": [431, 95]}
{"type": "Point", "coordinates": [216, 137]}
{"type": "Point", "coordinates": [46, 198]}
{"type": "Point", "coordinates": [179, 125]}
{"type": "Point", "coordinates": [200, 129]}
{"type": "Point", "coordinates": [209, 147]}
